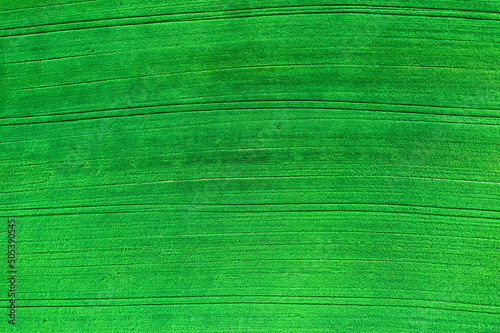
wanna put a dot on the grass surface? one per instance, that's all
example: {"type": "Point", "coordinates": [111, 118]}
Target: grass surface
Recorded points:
{"type": "Point", "coordinates": [251, 166]}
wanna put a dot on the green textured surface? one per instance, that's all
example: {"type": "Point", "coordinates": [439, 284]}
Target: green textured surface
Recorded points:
{"type": "Point", "coordinates": [251, 166]}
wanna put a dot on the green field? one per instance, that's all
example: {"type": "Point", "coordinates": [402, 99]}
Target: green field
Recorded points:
{"type": "Point", "coordinates": [250, 166]}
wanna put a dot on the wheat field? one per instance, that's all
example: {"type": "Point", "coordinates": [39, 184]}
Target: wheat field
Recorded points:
{"type": "Point", "coordinates": [250, 166]}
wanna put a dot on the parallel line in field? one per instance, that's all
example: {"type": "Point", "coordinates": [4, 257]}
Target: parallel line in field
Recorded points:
{"type": "Point", "coordinates": [273, 108]}
{"type": "Point", "coordinates": [248, 296]}
{"type": "Point", "coordinates": [210, 248]}
{"type": "Point", "coordinates": [362, 188]}
{"type": "Point", "coordinates": [18, 163]}
{"type": "Point", "coordinates": [249, 178]}
{"type": "Point", "coordinates": [255, 303]}
{"type": "Point", "coordinates": [231, 18]}
{"type": "Point", "coordinates": [242, 271]}
{"type": "Point", "coordinates": [271, 211]}
{"type": "Point", "coordinates": [262, 204]}
{"type": "Point", "coordinates": [292, 241]}
{"type": "Point", "coordinates": [95, 230]}
{"type": "Point", "coordinates": [222, 151]}
{"type": "Point", "coordinates": [244, 178]}
{"type": "Point", "coordinates": [60, 58]}
{"type": "Point", "coordinates": [242, 295]}
{"type": "Point", "coordinates": [6, 183]}
{"type": "Point", "coordinates": [481, 225]}
{"type": "Point", "coordinates": [235, 68]}
{"type": "Point", "coordinates": [162, 48]}
{"type": "Point", "coordinates": [368, 188]}
{"type": "Point", "coordinates": [289, 7]}
{"type": "Point", "coordinates": [301, 232]}
{"type": "Point", "coordinates": [246, 261]}
{"type": "Point", "coordinates": [295, 212]}
{"type": "Point", "coordinates": [273, 7]}
{"type": "Point", "coordinates": [242, 249]}
{"type": "Point", "coordinates": [71, 112]}
{"type": "Point", "coordinates": [283, 107]}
